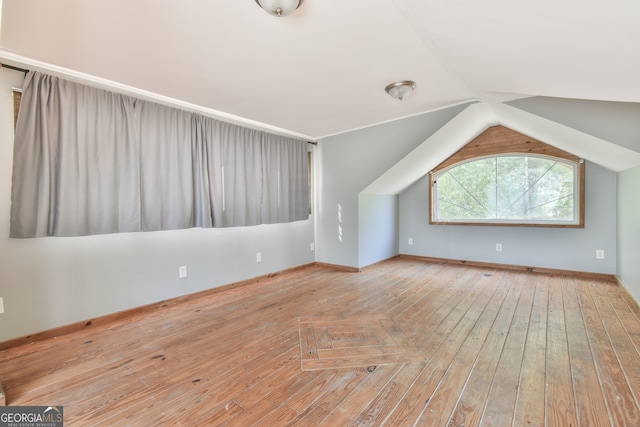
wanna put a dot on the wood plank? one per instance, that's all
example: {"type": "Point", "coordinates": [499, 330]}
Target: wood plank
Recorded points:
{"type": "Point", "coordinates": [282, 416]}
{"type": "Point", "coordinates": [591, 407]}
{"type": "Point", "coordinates": [369, 350]}
{"type": "Point", "coordinates": [303, 398]}
{"type": "Point", "coordinates": [330, 396]}
{"type": "Point", "coordinates": [471, 402]}
{"type": "Point", "coordinates": [560, 397]}
{"type": "Point", "coordinates": [253, 415]}
{"type": "Point", "coordinates": [359, 341]}
{"type": "Point", "coordinates": [312, 417]}
{"type": "Point", "coordinates": [448, 316]}
{"type": "Point", "coordinates": [378, 408]}
{"type": "Point", "coordinates": [396, 334]}
{"type": "Point", "coordinates": [294, 385]}
{"type": "Point", "coordinates": [439, 408]}
{"type": "Point", "coordinates": [479, 334]}
{"type": "Point", "coordinates": [286, 370]}
{"type": "Point", "coordinates": [202, 386]}
{"type": "Point", "coordinates": [522, 268]}
{"type": "Point", "coordinates": [446, 286]}
{"type": "Point", "coordinates": [359, 399]}
{"type": "Point", "coordinates": [366, 360]}
{"type": "Point", "coordinates": [416, 299]}
{"type": "Point", "coordinates": [627, 310]}
{"type": "Point", "coordinates": [500, 403]}
{"type": "Point", "coordinates": [323, 340]}
{"type": "Point", "coordinates": [530, 402]}
{"type": "Point", "coordinates": [408, 292]}
{"type": "Point", "coordinates": [501, 140]}
{"type": "Point", "coordinates": [626, 353]}
{"type": "Point", "coordinates": [308, 349]}
{"type": "Point", "coordinates": [223, 414]}
{"type": "Point", "coordinates": [620, 400]}
{"type": "Point", "coordinates": [456, 326]}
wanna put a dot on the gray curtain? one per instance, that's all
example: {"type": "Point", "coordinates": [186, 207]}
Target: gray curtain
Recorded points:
{"type": "Point", "coordinates": [285, 180]}
{"type": "Point", "coordinates": [87, 161]}
{"type": "Point", "coordinates": [242, 168]}
{"type": "Point", "coordinates": [167, 168]}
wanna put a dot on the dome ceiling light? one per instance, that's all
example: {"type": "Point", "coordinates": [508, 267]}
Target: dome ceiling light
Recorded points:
{"type": "Point", "coordinates": [400, 90]}
{"type": "Point", "coordinates": [279, 8]}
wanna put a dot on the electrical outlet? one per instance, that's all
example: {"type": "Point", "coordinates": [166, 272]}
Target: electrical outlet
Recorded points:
{"type": "Point", "coordinates": [1, 305]}
{"type": "Point", "coordinates": [182, 271]}
{"type": "Point", "coordinates": [498, 247]}
{"type": "Point", "coordinates": [599, 253]}
{"type": "Point", "coordinates": [312, 247]}
{"type": "Point", "coordinates": [258, 257]}
{"type": "Point", "coordinates": [410, 241]}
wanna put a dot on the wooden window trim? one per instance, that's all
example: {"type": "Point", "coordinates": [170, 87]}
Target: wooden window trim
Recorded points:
{"type": "Point", "coordinates": [497, 141]}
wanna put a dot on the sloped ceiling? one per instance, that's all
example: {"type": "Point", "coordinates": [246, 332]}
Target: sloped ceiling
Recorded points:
{"type": "Point", "coordinates": [322, 70]}
{"type": "Point", "coordinates": [474, 120]}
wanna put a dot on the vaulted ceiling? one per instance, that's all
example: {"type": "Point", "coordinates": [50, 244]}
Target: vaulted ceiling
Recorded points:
{"type": "Point", "coordinates": [476, 118]}
{"type": "Point", "coordinates": [322, 70]}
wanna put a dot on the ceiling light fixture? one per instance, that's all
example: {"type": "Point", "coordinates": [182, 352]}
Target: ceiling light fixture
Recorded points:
{"type": "Point", "coordinates": [400, 90]}
{"type": "Point", "coordinates": [279, 8]}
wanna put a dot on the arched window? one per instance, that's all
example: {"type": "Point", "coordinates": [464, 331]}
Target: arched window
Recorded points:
{"type": "Point", "coordinates": [506, 178]}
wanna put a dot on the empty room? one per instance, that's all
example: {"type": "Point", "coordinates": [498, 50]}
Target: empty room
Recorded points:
{"type": "Point", "coordinates": [319, 212]}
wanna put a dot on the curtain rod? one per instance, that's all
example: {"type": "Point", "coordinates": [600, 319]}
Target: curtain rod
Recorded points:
{"type": "Point", "coordinates": [23, 70]}
{"type": "Point", "coordinates": [11, 67]}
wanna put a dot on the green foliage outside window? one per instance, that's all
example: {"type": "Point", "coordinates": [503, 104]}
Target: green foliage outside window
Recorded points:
{"type": "Point", "coordinates": [529, 189]}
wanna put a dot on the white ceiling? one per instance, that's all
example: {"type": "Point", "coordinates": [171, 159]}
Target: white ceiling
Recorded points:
{"type": "Point", "coordinates": [323, 69]}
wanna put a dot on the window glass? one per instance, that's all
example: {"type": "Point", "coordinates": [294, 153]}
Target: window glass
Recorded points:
{"type": "Point", "coordinates": [507, 189]}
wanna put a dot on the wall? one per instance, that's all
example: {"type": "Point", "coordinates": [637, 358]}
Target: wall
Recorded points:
{"type": "Point", "coordinates": [350, 162]}
{"type": "Point", "coordinates": [629, 230]}
{"type": "Point", "coordinates": [377, 228]}
{"type": "Point", "coordinates": [611, 221]}
{"type": "Point", "coordinates": [617, 122]}
{"type": "Point", "coordinates": [558, 248]}
{"type": "Point", "coordinates": [50, 282]}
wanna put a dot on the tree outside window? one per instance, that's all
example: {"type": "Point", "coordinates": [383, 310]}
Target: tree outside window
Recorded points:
{"type": "Point", "coordinates": [507, 189]}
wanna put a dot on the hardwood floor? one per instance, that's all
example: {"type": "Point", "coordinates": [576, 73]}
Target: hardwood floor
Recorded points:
{"type": "Point", "coordinates": [406, 342]}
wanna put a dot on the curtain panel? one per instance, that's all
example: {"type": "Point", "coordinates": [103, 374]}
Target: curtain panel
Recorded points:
{"type": "Point", "coordinates": [88, 161]}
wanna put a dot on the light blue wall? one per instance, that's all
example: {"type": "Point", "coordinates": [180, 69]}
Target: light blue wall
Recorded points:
{"type": "Point", "coordinates": [629, 230]}
{"type": "Point", "coordinates": [348, 226]}
{"type": "Point", "coordinates": [50, 282]}
{"type": "Point", "coordinates": [348, 163]}
{"type": "Point", "coordinates": [558, 248]}
{"type": "Point", "coordinates": [377, 228]}
{"type": "Point", "coordinates": [617, 122]}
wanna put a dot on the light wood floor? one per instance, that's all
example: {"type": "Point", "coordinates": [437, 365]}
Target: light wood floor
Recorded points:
{"type": "Point", "coordinates": [482, 347]}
